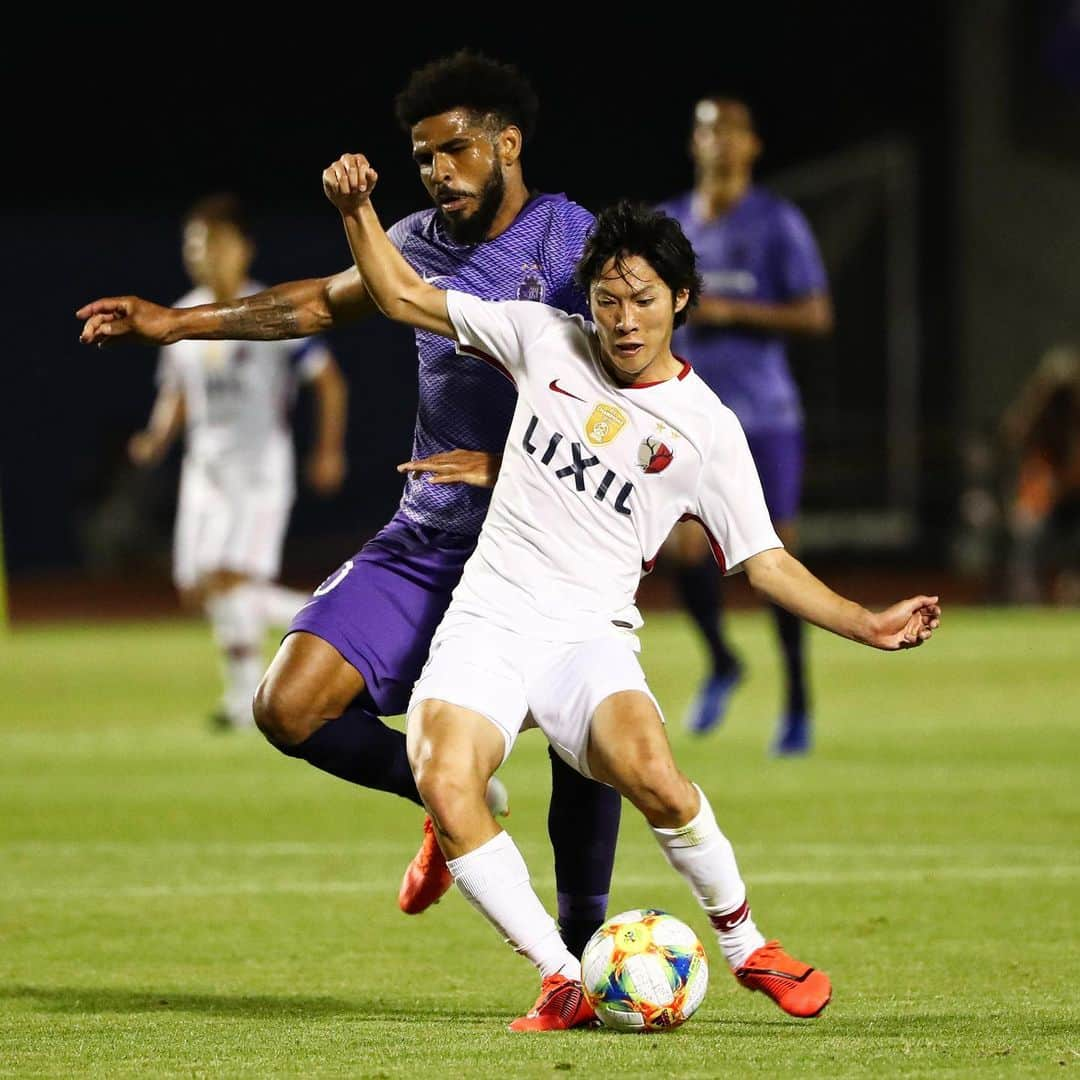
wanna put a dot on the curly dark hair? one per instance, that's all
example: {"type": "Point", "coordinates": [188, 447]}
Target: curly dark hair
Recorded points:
{"type": "Point", "coordinates": [632, 228]}
{"type": "Point", "coordinates": [469, 80]}
{"type": "Point", "coordinates": [223, 207]}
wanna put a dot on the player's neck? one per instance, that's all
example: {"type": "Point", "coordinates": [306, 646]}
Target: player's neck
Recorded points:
{"type": "Point", "coordinates": [514, 200]}
{"type": "Point", "coordinates": [714, 196]}
{"type": "Point", "coordinates": [663, 368]}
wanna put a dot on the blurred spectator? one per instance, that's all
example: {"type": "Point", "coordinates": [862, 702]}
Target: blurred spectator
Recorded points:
{"type": "Point", "coordinates": [1040, 433]}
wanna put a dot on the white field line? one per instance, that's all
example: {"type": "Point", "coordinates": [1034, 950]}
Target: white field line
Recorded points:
{"type": "Point", "coordinates": [65, 892]}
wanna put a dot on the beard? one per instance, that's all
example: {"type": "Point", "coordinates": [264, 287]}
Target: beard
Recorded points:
{"type": "Point", "coordinates": [474, 228]}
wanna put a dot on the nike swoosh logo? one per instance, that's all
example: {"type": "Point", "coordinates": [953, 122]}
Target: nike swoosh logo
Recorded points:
{"type": "Point", "coordinates": [432, 278]}
{"type": "Point", "coordinates": [553, 385]}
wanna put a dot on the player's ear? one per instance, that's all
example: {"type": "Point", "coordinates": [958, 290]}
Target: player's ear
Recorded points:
{"type": "Point", "coordinates": [509, 145]}
{"type": "Point", "coordinates": [682, 298]}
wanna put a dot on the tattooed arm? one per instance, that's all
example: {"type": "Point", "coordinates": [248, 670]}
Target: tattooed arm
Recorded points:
{"type": "Point", "coordinates": [291, 310]}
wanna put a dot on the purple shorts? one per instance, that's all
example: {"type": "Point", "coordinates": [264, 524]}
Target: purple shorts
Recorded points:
{"type": "Point", "coordinates": [380, 608]}
{"type": "Point", "coordinates": [778, 456]}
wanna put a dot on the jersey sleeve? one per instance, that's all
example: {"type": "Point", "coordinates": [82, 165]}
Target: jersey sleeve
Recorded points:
{"type": "Point", "coordinates": [576, 222]}
{"type": "Point", "coordinates": [309, 358]}
{"type": "Point", "coordinates": [730, 503]}
{"type": "Point", "coordinates": [799, 263]}
{"type": "Point", "coordinates": [500, 333]}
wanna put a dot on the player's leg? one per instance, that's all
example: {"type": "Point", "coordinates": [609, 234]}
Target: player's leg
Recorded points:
{"type": "Point", "coordinates": [628, 749]}
{"type": "Point", "coordinates": [779, 459]}
{"type": "Point", "coordinates": [311, 705]}
{"type": "Point", "coordinates": [207, 518]}
{"type": "Point", "coordinates": [583, 824]}
{"type": "Point", "coordinates": [697, 578]}
{"type": "Point", "coordinates": [466, 710]}
{"type": "Point", "coordinates": [353, 652]}
{"type": "Point", "coordinates": [231, 603]}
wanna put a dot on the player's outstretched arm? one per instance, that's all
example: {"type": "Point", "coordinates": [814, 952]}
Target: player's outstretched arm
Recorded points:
{"type": "Point", "coordinates": [290, 310]}
{"type": "Point", "coordinates": [785, 581]}
{"type": "Point", "coordinates": [398, 291]}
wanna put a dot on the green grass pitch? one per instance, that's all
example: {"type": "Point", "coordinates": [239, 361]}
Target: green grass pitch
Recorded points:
{"type": "Point", "coordinates": [175, 902]}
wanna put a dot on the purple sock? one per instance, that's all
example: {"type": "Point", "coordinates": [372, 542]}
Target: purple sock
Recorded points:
{"type": "Point", "coordinates": [583, 823]}
{"type": "Point", "coordinates": [360, 748]}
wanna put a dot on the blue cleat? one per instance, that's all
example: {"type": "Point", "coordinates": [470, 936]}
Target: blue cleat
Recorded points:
{"type": "Point", "coordinates": [793, 736]}
{"type": "Point", "coordinates": [708, 707]}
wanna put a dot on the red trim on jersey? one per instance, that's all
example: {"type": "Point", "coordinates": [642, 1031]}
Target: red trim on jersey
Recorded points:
{"type": "Point", "coordinates": [686, 369]}
{"type": "Point", "coordinates": [479, 354]}
{"type": "Point", "coordinates": [648, 564]}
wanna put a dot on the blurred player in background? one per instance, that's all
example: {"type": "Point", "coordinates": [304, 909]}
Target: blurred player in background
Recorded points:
{"type": "Point", "coordinates": [1041, 437]}
{"type": "Point", "coordinates": [237, 479]}
{"type": "Point", "coordinates": [354, 654]}
{"type": "Point", "coordinates": [763, 280]}
{"type": "Point", "coordinates": [612, 441]}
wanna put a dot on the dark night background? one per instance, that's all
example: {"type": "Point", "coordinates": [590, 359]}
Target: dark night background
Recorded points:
{"type": "Point", "coordinates": [96, 183]}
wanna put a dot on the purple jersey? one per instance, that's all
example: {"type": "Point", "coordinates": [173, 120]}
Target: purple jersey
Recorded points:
{"type": "Point", "coordinates": [464, 403]}
{"type": "Point", "coordinates": [763, 250]}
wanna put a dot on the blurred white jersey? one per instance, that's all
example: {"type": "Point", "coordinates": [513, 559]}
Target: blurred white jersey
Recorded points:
{"type": "Point", "coordinates": [237, 481]}
{"type": "Point", "coordinates": [237, 397]}
{"type": "Point", "coordinates": [594, 477]}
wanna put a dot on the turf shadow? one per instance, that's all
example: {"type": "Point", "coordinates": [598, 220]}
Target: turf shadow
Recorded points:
{"type": "Point", "coordinates": [93, 1000]}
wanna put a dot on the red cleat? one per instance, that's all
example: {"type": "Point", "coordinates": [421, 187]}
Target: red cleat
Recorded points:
{"type": "Point", "coordinates": [562, 1004]}
{"type": "Point", "coordinates": [798, 989]}
{"type": "Point", "coordinates": [427, 877]}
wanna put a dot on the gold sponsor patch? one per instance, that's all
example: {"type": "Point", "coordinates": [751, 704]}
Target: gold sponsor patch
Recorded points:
{"type": "Point", "coordinates": [604, 423]}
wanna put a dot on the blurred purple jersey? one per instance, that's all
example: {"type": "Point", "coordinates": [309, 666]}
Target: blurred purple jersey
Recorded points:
{"type": "Point", "coordinates": [762, 249]}
{"type": "Point", "coordinates": [464, 403]}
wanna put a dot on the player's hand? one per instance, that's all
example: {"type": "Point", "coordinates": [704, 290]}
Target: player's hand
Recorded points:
{"type": "Point", "coordinates": [907, 624]}
{"type": "Point", "coordinates": [326, 471]}
{"type": "Point", "coordinates": [349, 182]}
{"type": "Point", "coordinates": [474, 467]}
{"type": "Point", "coordinates": [129, 318]}
{"type": "Point", "coordinates": [145, 449]}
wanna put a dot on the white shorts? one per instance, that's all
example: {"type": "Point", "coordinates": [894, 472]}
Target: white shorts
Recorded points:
{"type": "Point", "coordinates": [224, 522]}
{"type": "Point", "coordinates": [507, 677]}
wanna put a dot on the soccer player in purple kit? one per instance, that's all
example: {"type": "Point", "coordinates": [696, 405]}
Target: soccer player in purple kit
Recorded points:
{"type": "Point", "coordinates": [764, 280]}
{"type": "Point", "coordinates": [354, 652]}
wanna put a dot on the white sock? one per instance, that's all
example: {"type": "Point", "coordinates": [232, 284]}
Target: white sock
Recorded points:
{"type": "Point", "coordinates": [238, 625]}
{"type": "Point", "coordinates": [702, 854]}
{"type": "Point", "coordinates": [279, 604]}
{"type": "Point", "coordinates": [495, 880]}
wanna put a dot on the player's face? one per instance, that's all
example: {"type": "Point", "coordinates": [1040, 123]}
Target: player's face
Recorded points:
{"type": "Point", "coordinates": [634, 312]}
{"type": "Point", "coordinates": [723, 138]}
{"type": "Point", "coordinates": [459, 166]}
{"type": "Point", "coordinates": [216, 254]}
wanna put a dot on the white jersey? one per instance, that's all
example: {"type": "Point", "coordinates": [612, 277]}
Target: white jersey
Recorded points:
{"type": "Point", "coordinates": [594, 476]}
{"type": "Point", "coordinates": [237, 398]}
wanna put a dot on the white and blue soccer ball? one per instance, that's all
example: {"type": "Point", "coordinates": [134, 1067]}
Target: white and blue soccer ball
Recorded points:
{"type": "Point", "coordinates": [644, 971]}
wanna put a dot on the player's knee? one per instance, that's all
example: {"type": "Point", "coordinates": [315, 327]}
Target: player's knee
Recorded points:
{"type": "Point", "coordinates": [663, 795]}
{"type": "Point", "coordinates": [286, 717]}
{"type": "Point", "coordinates": [450, 792]}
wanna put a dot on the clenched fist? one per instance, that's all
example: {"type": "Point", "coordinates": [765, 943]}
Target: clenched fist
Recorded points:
{"type": "Point", "coordinates": [349, 182]}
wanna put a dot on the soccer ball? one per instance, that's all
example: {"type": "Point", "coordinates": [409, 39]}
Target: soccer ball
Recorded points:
{"type": "Point", "coordinates": [644, 971]}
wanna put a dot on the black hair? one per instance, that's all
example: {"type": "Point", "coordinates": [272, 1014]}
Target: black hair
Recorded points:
{"type": "Point", "coordinates": [631, 228]}
{"type": "Point", "coordinates": [469, 80]}
{"type": "Point", "coordinates": [221, 208]}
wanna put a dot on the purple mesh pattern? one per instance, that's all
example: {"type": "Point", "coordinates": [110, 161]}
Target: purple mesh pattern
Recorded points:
{"type": "Point", "coordinates": [465, 403]}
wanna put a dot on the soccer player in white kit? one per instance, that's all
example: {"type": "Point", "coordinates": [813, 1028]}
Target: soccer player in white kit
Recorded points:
{"type": "Point", "coordinates": [613, 441]}
{"type": "Point", "coordinates": [237, 482]}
